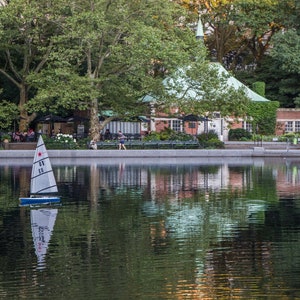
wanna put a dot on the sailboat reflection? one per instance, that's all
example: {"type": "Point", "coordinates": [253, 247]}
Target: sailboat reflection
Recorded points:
{"type": "Point", "coordinates": [42, 224]}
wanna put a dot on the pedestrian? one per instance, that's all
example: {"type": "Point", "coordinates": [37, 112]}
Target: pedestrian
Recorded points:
{"type": "Point", "coordinates": [121, 138]}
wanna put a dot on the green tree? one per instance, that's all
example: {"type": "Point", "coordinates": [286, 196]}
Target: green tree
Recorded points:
{"type": "Point", "coordinates": [257, 21]}
{"type": "Point", "coordinates": [8, 113]}
{"type": "Point", "coordinates": [286, 53]}
{"type": "Point", "coordinates": [203, 89]}
{"type": "Point", "coordinates": [25, 45]}
{"type": "Point", "coordinates": [218, 15]}
{"type": "Point", "coordinates": [111, 54]}
{"type": "Point", "coordinates": [102, 54]}
{"type": "Point", "coordinates": [114, 53]}
{"type": "Point", "coordinates": [239, 32]}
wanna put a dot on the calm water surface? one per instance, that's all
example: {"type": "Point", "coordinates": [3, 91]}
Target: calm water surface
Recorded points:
{"type": "Point", "coordinates": [153, 230]}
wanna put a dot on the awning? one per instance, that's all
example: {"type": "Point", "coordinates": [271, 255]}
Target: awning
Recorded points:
{"type": "Point", "coordinates": [144, 119]}
{"type": "Point", "coordinates": [76, 119]}
{"type": "Point", "coordinates": [51, 119]}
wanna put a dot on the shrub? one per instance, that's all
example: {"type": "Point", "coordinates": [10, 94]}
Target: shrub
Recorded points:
{"type": "Point", "coordinates": [153, 136]}
{"type": "Point", "coordinates": [168, 134]}
{"type": "Point", "coordinates": [210, 140]}
{"type": "Point", "coordinates": [83, 143]}
{"type": "Point", "coordinates": [207, 136]}
{"type": "Point", "coordinates": [239, 134]}
{"type": "Point", "coordinates": [61, 141]}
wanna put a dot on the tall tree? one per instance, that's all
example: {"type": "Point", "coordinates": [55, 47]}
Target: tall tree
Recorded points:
{"type": "Point", "coordinates": [113, 53]}
{"type": "Point", "coordinates": [239, 32]}
{"type": "Point", "coordinates": [97, 55]}
{"type": "Point", "coordinates": [25, 44]}
{"type": "Point", "coordinates": [285, 53]}
{"type": "Point", "coordinates": [257, 21]}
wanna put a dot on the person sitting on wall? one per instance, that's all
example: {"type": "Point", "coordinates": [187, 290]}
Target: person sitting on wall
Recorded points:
{"type": "Point", "coordinates": [93, 144]}
{"type": "Point", "coordinates": [17, 136]}
{"type": "Point", "coordinates": [30, 135]}
{"type": "Point", "coordinates": [107, 135]}
{"type": "Point", "coordinates": [53, 134]}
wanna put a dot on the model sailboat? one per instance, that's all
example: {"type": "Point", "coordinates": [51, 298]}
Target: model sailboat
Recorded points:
{"type": "Point", "coordinates": [43, 185]}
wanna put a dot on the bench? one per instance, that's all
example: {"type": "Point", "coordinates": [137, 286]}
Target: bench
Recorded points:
{"type": "Point", "coordinates": [22, 146]}
{"type": "Point", "coordinates": [137, 144]}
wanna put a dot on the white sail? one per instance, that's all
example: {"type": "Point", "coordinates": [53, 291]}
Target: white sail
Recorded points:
{"type": "Point", "coordinates": [42, 177]}
{"type": "Point", "coordinates": [42, 224]}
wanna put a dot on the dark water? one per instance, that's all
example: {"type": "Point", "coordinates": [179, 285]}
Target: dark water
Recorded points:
{"type": "Point", "coordinates": [148, 230]}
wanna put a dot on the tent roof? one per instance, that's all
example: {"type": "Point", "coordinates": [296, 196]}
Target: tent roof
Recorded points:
{"type": "Point", "coordinates": [231, 81]}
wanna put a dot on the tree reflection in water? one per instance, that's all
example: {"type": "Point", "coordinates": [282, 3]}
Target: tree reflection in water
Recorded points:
{"type": "Point", "coordinates": [171, 231]}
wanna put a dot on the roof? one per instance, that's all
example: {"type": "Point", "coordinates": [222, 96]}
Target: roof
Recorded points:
{"type": "Point", "coordinates": [232, 81]}
{"type": "Point", "coordinates": [189, 92]}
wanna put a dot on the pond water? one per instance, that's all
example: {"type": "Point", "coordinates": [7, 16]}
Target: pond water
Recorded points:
{"type": "Point", "coordinates": [139, 229]}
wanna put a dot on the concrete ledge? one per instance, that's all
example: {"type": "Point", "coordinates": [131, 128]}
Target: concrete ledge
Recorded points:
{"type": "Point", "coordinates": [167, 153]}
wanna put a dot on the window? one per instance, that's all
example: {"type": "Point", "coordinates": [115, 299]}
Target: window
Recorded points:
{"type": "Point", "coordinates": [175, 125]}
{"type": "Point", "coordinates": [297, 126]}
{"type": "Point", "coordinates": [289, 126]}
{"type": "Point", "coordinates": [247, 126]}
{"type": "Point", "coordinates": [192, 124]}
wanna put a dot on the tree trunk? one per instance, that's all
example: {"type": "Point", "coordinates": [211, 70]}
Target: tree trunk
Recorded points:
{"type": "Point", "coordinates": [94, 121]}
{"type": "Point", "coordinates": [23, 126]}
{"type": "Point", "coordinates": [25, 119]}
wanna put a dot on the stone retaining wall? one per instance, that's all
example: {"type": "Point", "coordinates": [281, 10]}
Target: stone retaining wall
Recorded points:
{"type": "Point", "coordinates": [159, 153]}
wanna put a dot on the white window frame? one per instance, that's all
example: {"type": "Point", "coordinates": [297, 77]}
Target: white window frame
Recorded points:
{"type": "Point", "coordinates": [175, 125]}
{"type": "Point", "coordinates": [289, 126]}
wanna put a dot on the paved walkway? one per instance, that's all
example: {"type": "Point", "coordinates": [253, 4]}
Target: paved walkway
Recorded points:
{"type": "Point", "coordinates": [167, 153]}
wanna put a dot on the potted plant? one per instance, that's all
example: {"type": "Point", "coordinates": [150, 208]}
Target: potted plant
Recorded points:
{"type": "Point", "coordinates": [5, 137]}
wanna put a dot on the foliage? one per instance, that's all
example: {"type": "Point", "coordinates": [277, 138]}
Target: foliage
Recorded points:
{"type": "Point", "coordinates": [263, 116]}
{"type": "Point", "coordinates": [58, 65]}
{"type": "Point", "coordinates": [8, 113]}
{"type": "Point", "coordinates": [82, 143]}
{"type": "Point", "coordinates": [241, 31]}
{"type": "Point", "coordinates": [61, 141]}
{"type": "Point", "coordinates": [210, 140]}
{"type": "Point", "coordinates": [25, 44]}
{"type": "Point", "coordinates": [281, 85]}
{"type": "Point", "coordinates": [239, 134]}
{"type": "Point", "coordinates": [286, 53]}
{"type": "Point", "coordinates": [168, 134]}
{"type": "Point", "coordinates": [211, 134]}
{"type": "Point", "coordinates": [202, 89]}
{"type": "Point", "coordinates": [286, 50]}
{"type": "Point", "coordinates": [5, 136]}
{"type": "Point", "coordinates": [152, 136]}
{"type": "Point", "coordinates": [259, 87]}
{"type": "Point", "coordinates": [120, 59]}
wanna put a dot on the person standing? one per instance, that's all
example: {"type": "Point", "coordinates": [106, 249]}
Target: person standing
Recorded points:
{"type": "Point", "coordinates": [121, 138]}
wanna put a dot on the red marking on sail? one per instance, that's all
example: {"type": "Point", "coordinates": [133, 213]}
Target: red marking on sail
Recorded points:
{"type": "Point", "coordinates": [40, 153]}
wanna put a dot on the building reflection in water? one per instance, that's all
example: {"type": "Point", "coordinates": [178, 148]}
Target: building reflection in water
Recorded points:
{"type": "Point", "coordinates": [180, 181]}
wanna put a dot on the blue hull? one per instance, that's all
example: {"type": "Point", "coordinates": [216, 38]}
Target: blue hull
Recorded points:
{"type": "Point", "coordinates": [39, 200]}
